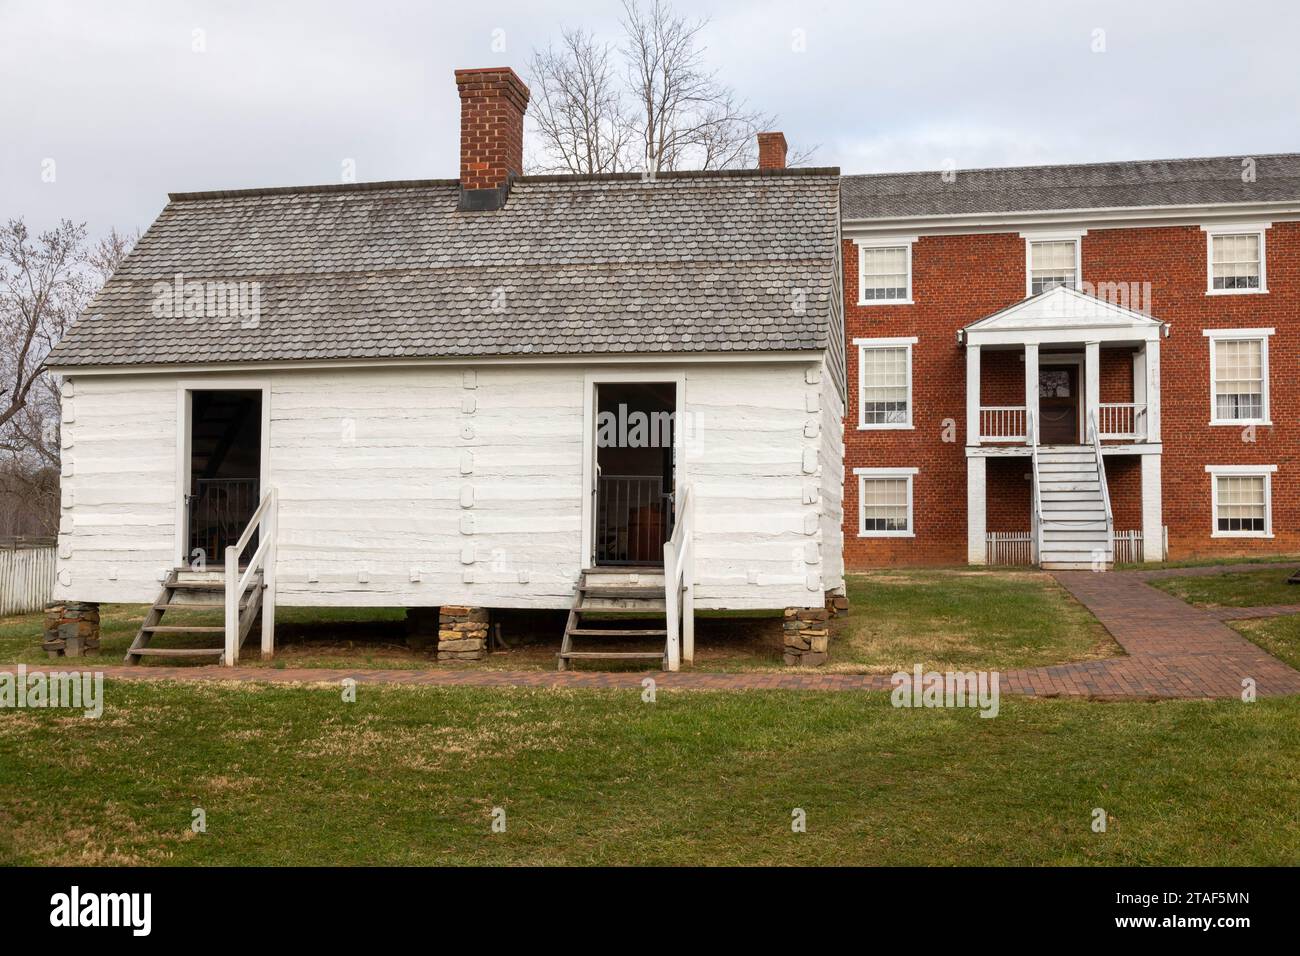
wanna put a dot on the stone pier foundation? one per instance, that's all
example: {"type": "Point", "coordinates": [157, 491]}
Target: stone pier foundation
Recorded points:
{"type": "Point", "coordinates": [807, 636]}
{"type": "Point", "coordinates": [462, 633]}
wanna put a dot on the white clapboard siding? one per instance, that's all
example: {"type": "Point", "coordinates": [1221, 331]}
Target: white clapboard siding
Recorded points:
{"type": "Point", "coordinates": [421, 486]}
{"type": "Point", "coordinates": [26, 579]}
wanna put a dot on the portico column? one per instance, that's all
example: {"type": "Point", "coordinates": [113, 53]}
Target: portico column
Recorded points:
{"type": "Point", "coordinates": [1031, 392]}
{"type": "Point", "coordinates": [1092, 384]}
{"type": "Point", "coordinates": [972, 395]}
{"type": "Point", "coordinates": [1153, 532]}
{"type": "Point", "coordinates": [976, 518]}
{"type": "Point", "coordinates": [1152, 356]}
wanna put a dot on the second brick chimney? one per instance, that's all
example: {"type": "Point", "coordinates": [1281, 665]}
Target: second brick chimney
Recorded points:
{"type": "Point", "coordinates": [771, 150]}
{"type": "Point", "coordinates": [492, 106]}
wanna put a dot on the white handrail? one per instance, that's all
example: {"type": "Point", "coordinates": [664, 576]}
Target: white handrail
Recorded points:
{"type": "Point", "coordinates": [1032, 436]}
{"type": "Point", "coordinates": [263, 560]}
{"type": "Point", "coordinates": [679, 583]}
{"type": "Point", "coordinates": [1095, 438]}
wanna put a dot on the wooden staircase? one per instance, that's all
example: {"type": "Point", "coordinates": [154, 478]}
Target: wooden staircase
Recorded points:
{"type": "Point", "coordinates": [187, 590]}
{"type": "Point", "coordinates": [617, 603]}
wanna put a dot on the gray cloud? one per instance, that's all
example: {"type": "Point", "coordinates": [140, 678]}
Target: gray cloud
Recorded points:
{"type": "Point", "coordinates": [284, 93]}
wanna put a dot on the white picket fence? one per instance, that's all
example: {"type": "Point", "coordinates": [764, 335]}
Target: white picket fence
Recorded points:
{"type": "Point", "coordinates": [26, 579]}
{"type": "Point", "coordinates": [1016, 548]}
{"type": "Point", "coordinates": [1128, 547]}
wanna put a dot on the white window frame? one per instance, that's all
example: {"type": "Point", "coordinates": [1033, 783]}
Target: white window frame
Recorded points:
{"type": "Point", "coordinates": [894, 343]}
{"type": "Point", "coordinates": [1075, 236]}
{"type": "Point", "coordinates": [864, 474]}
{"type": "Point", "coordinates": [1239, 229]}
{"type": "Point", "coordinates": [1245, 471]}
{"type": "Point", "coordinates": [1235, 335]}
{"type": "Point", "coordinates": [892, 242]}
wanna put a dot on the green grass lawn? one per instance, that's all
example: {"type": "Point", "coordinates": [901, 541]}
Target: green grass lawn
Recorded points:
{"type": "Point", "coordinates": [1280, 636]}
{"type": "Point", "coordinates": [944, 619]}
{"type": "Point", "coordinates": [963, 619]}
{"type": "Point", "coordinates": [292, 775]}
{"type": "Point", "coordinates": [1212, 561]}
{"type": "Point", "coordinates": [1235, 588]}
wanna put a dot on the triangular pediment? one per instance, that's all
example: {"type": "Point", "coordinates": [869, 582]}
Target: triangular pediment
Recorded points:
{"type": "Point", "coordinates": [1064, 309]}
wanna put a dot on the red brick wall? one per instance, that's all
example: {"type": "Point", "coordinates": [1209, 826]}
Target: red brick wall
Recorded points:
{"type": "Point", "coordinates": [959, 279]}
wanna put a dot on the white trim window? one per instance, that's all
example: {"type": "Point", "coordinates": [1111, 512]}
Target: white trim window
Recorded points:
{"type": "Point", "coordinates": [1239, 376]}
{"type": "Point", "coordinates": [1235, 260]}
{"type": "Point", "coordinates": [1241, 500]}
{"type": "Point", "coordinates": [884, 383]}
{"type": "Point", "coordinates": [1050, 262]}
{"type": "Point", "coordinates": [885, 502]}
{"type": "Point", "coordinates": [885, 271]}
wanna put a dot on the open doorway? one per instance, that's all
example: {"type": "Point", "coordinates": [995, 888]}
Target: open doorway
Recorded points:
{"type": "Point", "coordinates": [635, 472]}
{"type": "Point", "coordinates": [225, 466]}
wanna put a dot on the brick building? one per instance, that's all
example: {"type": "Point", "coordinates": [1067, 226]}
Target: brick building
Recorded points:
{"type": "Point", "coordinates": [1073, 363]}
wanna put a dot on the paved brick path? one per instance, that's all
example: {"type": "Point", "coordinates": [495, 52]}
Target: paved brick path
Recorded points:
{"type": "Point", "coordinates": [1173, 650]}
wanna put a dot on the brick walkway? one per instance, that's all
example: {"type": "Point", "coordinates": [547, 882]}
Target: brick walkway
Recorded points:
{"type": "Point", "coordinates": [1173, 650]}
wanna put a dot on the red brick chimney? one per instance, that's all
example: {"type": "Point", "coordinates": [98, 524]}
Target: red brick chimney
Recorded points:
{"type": "Point", "coordinates": [492, 105]}
{"type": "Point", "coordinates": [771, 150]}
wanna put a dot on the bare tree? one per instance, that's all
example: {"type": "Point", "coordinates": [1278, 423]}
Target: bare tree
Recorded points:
{"type": "Point", "coordinates": [669, 111]}
{"type": "Point", "coordinates": [578, 107]}
{"type": "Point", "coordinates": [46, 281]}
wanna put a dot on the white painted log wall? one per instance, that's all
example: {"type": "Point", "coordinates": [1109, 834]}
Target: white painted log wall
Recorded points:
{"type": "Point", "coordinates": [467, 480]}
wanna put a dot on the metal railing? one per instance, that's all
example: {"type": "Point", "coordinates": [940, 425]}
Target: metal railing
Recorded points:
{"type": "Point", "coordinates": [1094, 437]}
{"type": "Point", "coordinates": [1003, 422]}
{"type": "Point", "coordinates": [239, 619]}
{"type": "Point", "coordinates": [1122, 420]}
{"type": "Point", "coordinates": [633, 519]}
{"type": "Point", "coordinates": [218, 511]}
{"type": "Point", "coordinates": [679, 584]}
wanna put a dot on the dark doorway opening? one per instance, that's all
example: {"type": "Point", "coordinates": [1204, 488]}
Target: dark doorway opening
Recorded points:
{"type": "Point", "coordinates": [1058, 404]}
{"type": "Point", "coordinates": [635, 438]}
{"type": "Point", "coordinates": [225, 472]}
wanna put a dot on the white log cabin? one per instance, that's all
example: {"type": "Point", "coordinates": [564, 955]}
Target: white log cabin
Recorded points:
{"type": "Point", "coordinates": [501, 391]}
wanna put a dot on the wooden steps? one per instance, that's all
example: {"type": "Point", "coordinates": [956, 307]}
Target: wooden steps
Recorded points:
{"type": "Point", "coordinates": [176, 595]}
{"type": "Point", "coordinates": [620, 597]}
{"type": "Point", "coordinates": [180, 651]}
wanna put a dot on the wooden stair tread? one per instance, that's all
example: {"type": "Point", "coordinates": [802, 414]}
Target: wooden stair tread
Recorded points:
{"type": "Point", "coordinates": [623, 591]}
{"type": "Point", "coordinates": [601, 609]}
{"type": "Point", "coordinates": [179, 651]}
{"type": "Point", "coordinates": [183, 629]}
{"type": "Point", "coordinates": [613, 655]}
{"type": "Point", "coordinates": [618, 632]}
{"type": "Point", "coordinates": [196, 606]}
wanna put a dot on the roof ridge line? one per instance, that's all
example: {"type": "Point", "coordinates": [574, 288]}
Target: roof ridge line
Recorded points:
{"type": "Point", "coordinates": [1108, 162]}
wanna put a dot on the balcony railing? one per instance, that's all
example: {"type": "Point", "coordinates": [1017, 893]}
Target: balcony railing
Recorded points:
{"type": "Point", "coordinates": [1126, 420]}
{"type": "Point", "coordinates": [1002, 423]}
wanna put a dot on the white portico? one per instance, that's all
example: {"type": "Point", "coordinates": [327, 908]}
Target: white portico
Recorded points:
{"type": "Point", "coordinates": [1090, 387]}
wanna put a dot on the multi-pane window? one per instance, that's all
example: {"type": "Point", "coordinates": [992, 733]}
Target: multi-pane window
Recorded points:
{"type": "Point", "coordinates": [1238, 380]}
{"type": "Point", "coordinates": [885, 385]}
{"type": "Point", "coordinates": [885, 502]}
{"type": "Point", "coordinates": [1238, 375]}
{"type": "Point", "coordinates": [1236, 263]}
{"type": "Point", "coordinates": [1051, 263]}
{"type": "Point", "coordinates": [1241, 503]}
{"type": "Point", "coordinates": [884, 274]}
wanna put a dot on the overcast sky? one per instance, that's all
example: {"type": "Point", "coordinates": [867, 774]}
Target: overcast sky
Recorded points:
{"type": "Point", "coordinates": [282, 93]}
